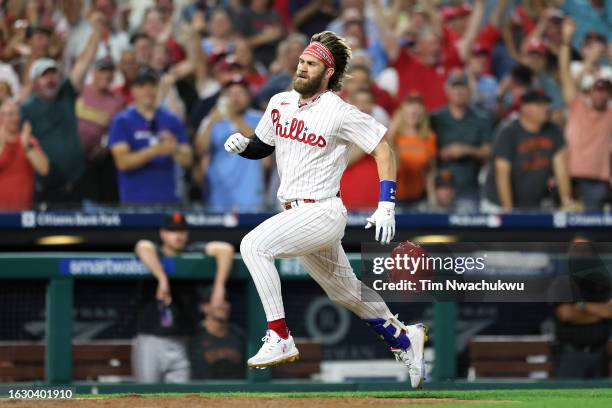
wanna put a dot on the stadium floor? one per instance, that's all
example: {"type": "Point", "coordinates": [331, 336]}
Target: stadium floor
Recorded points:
{"type": "Point", "coordinates": [567, 398]}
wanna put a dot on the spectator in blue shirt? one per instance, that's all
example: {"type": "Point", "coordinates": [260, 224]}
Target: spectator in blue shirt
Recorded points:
{"type": "Point", "coordinates": [230, 183]}
{"type": "Point", "coordinates": [535, 57]}
{"type": "Point", "coordinates": [483, 86]}
{"type": "Point", "coordinates": [149, 144]}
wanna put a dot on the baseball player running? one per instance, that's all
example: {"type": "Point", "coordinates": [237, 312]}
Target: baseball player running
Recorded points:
{"type": "Point", "coordinates": [312, 130]}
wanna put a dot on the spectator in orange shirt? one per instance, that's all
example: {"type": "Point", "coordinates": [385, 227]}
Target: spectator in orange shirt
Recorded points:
{"type": "Point", "coordinates": [589, 130]}
{"type": "Point", "coordinates": [20, 157]}
{"type": "Point", "coordinates": [415, 144]}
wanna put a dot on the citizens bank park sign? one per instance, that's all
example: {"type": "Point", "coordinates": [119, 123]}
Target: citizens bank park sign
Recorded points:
{"type": "Point", "coordinates": [32, 219]}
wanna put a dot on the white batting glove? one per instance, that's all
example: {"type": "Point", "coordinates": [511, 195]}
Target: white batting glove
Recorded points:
{"type": "Point", "coordinates": [236, 143]}
{"type": "Point", "coordinates": [384, 219]}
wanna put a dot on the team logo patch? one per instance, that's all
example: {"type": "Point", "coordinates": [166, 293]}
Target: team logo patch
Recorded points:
{"type": "Point", "coordinates": [296, 130]}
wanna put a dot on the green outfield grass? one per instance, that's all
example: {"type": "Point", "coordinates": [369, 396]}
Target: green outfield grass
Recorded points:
{"type": "Point", "coordinates": [563, 398]}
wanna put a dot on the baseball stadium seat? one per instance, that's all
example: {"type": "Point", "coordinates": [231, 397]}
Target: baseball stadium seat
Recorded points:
{"type": "Point", "coordinates": [510, 356]}
{"type": "Point", "coordinates": [25, 361]}
{"type": "Point", "coordinates": [308, 365]}
{"type": "Point", "coordinates": [514, 356]}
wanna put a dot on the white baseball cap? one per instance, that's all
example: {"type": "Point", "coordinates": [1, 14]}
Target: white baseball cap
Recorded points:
{"type": "Point", "coordinates": [40, 66]}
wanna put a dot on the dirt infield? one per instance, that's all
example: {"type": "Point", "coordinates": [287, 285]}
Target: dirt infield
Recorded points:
{"type": "Point", "coordinates": [193, 401]}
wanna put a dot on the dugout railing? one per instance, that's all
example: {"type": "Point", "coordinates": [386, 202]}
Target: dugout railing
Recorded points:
{"type": "Point", "coordinates": [60, 270]}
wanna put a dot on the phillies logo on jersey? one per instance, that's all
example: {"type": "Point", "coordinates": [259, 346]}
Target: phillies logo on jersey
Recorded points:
{"type": "Point", "coordinates": [296, 131]}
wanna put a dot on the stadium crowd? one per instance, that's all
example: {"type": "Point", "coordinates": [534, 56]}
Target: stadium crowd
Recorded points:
{"type": "Point", "coordinates": [490, 105]}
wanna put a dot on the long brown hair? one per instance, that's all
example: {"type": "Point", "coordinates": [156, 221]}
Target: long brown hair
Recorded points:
{"type": "Point", "coordinates": [341, 53]}
{"type": "Point", "coordinates": [399, 125]}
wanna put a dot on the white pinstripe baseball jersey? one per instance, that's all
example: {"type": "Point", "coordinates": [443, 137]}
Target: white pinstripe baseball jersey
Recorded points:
{"type": "Point", "coordinates": [313, 142]}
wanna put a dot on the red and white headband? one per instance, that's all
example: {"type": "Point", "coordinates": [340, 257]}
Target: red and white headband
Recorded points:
{"type": "Point", "coordinates": [320, 52]}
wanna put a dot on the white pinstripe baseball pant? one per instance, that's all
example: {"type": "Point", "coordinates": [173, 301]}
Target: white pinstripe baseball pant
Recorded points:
{"type": "Point", "coordinates": [311, 231]}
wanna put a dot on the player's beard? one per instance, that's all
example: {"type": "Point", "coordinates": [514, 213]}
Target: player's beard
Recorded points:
{"type": "Point", "coordinates": [308, 87]}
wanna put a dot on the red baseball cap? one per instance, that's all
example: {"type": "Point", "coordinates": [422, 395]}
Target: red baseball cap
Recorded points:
{"type": "Point", "coordinates": [226, 63]}
{"type": "Point", "coordinates": [465, 9]}
{"type": "Point", "coordinates": [537, 46]}
{"type": "Point", "coordinates": [479, 49]}
{"type": "Point", "coordinates": [237, 80]}
{"type": "Point", "coordinates": [450, 12]}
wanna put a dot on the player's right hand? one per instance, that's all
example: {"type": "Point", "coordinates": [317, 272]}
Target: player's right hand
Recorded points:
{"type": "Point", "coordinates": [384, 220]}
{"type": "Point", "coordinates": [236, 143]}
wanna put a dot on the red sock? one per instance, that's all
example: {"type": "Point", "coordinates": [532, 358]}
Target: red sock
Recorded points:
{"type": "Point", "coordinates": [280, 327]}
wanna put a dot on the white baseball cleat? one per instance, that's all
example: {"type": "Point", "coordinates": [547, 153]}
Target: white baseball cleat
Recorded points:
{"type": "Point", "coordinates": [275, 350]}
{"type": "Point", "coordinates": [413, 357]}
